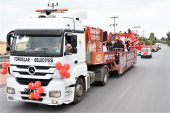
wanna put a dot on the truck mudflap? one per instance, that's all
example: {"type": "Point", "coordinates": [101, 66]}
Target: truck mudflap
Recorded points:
{"type": "Point", "coordinates": [126, 60]}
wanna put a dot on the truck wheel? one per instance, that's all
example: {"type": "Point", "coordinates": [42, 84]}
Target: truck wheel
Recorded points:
{"type": "Point", "coordinates": [105, 76]}
{"type": "Point", "coordinates": [79, 90]}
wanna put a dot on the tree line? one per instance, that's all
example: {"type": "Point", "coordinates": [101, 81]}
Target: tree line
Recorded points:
{"type": "Point", "coordinates": [149, 41]}
{"type": "Point", "coordinates": [152, 39]}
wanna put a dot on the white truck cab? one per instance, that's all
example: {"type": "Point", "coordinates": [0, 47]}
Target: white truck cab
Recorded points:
{"type": "Point", "coordinates": [35, 48]}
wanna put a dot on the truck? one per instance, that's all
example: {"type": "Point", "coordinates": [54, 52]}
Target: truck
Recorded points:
{"type": "Point", "coordinates": [41, 71]}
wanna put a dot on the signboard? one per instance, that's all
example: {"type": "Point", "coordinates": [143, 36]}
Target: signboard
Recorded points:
{"type": "Point", "coordinates": [122, 61]}
{"type": "Point", "coordinates": [94, 39]}
{"type": "Point", "coordinates": [109, 57]}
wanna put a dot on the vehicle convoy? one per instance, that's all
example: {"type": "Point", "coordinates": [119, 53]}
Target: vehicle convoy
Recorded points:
{"type": "Point", "coordinates": [146, 52]}
{"type": "Point", "coordinates": [41, 70]}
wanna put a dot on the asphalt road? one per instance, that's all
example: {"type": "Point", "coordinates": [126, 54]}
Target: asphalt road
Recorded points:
{"type": "Point", "coordinates": [144, 88]}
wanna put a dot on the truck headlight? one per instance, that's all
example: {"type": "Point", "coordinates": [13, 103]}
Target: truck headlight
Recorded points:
{"type": "Point", "coordinates": [55, 94]}
{"type": "Point", "coordinates": [10, 90]}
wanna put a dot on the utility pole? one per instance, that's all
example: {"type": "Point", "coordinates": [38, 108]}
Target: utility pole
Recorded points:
{"type": "Point", "coordinates": [114, 24]}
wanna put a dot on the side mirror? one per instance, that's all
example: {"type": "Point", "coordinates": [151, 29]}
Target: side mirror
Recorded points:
{"type": "Point", "coordinates": [9, 36]}
{"type": "Point", "coordinates": [8, 48]}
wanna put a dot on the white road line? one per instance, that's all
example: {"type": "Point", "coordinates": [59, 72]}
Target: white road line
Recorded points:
{"type": "Point", "coordinates": [125, 92]}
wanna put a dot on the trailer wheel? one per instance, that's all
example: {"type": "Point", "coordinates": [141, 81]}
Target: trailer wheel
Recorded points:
{"type": "Point", "coordinates": [79, 90]}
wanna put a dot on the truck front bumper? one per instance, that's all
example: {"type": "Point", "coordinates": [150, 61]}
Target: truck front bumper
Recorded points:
{"type": "Point", "coordinates": [20, 94]}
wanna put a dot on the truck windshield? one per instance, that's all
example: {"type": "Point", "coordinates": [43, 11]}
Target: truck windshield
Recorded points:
{"type": "Point", "coordinates": [37, 45]}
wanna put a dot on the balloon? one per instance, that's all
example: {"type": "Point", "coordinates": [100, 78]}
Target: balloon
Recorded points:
{"type": "Point", "coordinates": [5, 65]}
{"type": "Point", "coordinates": [4, 71]}
{"type": "Point", "coordinates": [40, 90]}
{"type": "Point", "coordinates": [31, 96]}
{"type": "Point", "coordinates": [37, 84]}
{"type": "Point", "coordinates": [36, 96]}
{"type": "Point", "coordinates": [67, 75]}
{"type": "Point", "coordinates": [58, 65]}
{"type": "Point", "coordinates": [67, 66]}
{"type": "Point", "coordinates": [31, 86]}
{"type": "Point", "coordinates": [63, 72]}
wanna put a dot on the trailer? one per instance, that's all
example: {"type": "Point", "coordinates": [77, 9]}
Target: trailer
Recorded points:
{"type": "Point", "coordinates": [41, 70]}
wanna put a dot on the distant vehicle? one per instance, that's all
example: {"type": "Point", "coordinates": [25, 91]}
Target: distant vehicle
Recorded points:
{"type": "Point", "coordinates": [159, 45]}
{"type": "Point", "coordinates": [154, 48]}
{"type": "Point", "coordinates": [146, 52]}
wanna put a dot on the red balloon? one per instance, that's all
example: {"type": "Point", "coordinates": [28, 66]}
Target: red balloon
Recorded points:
{"type": "Point", "coordinates": [67, 75]}
{"type": "Point", "coordinates": [5, 65]}
{"type": "Point", "coordinates": [36, 96]}
{"type": "Point", "coordinates": [31, 96]}
{"type": "Point", "coordinates": [63, 72]}
{"type": "Point", "coordinates": [37, 84]}
{"type": "Point", "coordinates": [4, 71]}
{"type": "Point", "coordinates": [31, 86]}
{"type": "Point", "coordinates": [67, 66]}
{"type": "Point", "coordinates": [58, 65]}
{"type": "Point", "coordinates": [40, 90]}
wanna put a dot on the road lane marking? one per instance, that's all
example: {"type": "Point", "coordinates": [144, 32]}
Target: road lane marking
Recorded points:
{"type": "Point", "coordinates": [125, 92]}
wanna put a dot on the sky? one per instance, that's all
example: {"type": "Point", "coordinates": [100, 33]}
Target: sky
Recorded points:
{"type": "Point", "coordinates": [150, 15]}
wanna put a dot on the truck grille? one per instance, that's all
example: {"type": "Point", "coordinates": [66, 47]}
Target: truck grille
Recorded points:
{"type": "Point", "coordinates": [26, 98]}
{"type": "Point", "coordinates": [36, 74]}
{"type": "Point", "coordinates": [26, 81]}
{"type": "Point", "coordinates": [27, 93]}
{"type": "Point", "coordinates": [37, 67]}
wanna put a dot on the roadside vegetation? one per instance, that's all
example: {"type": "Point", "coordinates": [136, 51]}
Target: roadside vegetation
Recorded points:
{"type": "Point", "coordinates": [151, 40]}
{"type": "Point", "coordinates": [168, 38]}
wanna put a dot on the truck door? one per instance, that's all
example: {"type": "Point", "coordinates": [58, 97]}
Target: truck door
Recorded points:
{"type": "Point", "coordinates": [70, 56]}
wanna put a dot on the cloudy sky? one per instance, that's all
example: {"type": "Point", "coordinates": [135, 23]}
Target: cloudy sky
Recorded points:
{"type": "Point", "coordinates": [150, 15]}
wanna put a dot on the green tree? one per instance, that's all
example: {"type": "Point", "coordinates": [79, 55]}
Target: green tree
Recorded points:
{"type": "Point", "coordinates": [148, 42]}
{"type": "Point", "coordinates": [163, 40]}
{"type": "Point", "coordinates": [153, 38]}
{"type": "Point", "coordinates": [168, 38]}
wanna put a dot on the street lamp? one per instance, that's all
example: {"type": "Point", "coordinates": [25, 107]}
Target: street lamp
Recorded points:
{"type": "Point", "coordinates": [53, 5]}
{"type": "Point", "coordinates": [136, 27]}
{"type": "Point", "coordinates": [114, 24]}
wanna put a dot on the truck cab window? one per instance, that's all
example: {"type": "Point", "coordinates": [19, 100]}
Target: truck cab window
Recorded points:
{"type": "Point", "coordinates": [71, 44]}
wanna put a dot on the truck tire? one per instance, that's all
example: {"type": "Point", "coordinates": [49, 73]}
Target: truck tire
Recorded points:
{"type": "Point", "coordinates": [105, 75]}
{"type": "Point", "coordinates": [79, 90]}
